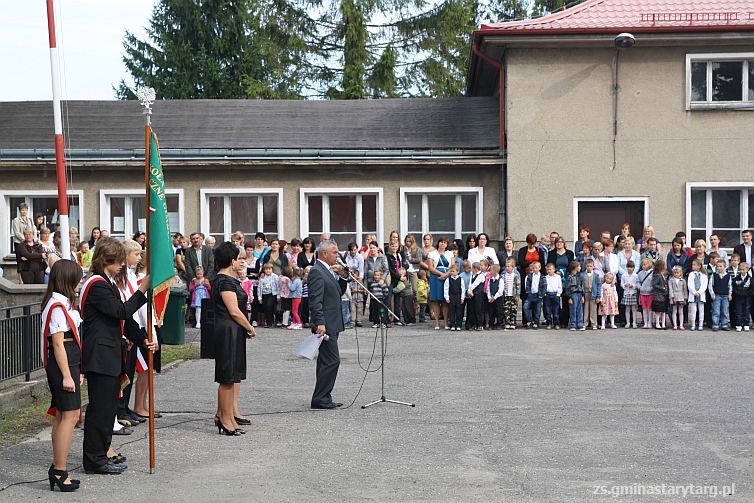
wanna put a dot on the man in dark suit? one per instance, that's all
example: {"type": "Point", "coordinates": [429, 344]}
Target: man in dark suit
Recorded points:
{"type": "Point", "coordinates": [326, 318]}
{"type": "Point", "coordinates": [745, 249]}
{"type": "Point", "coordinates": [199, 255]}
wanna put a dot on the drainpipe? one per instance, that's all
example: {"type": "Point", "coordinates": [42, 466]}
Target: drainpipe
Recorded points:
{"type": "Point", "coordinates": [503, 203]}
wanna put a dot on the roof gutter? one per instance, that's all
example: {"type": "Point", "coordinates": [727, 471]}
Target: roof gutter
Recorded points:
{"type": "Point", "coordinates": [486, 30]}
{"type": "Point", "coordinates": [167, 154]}
{"type": "Point", "coordinates": [499, 66]}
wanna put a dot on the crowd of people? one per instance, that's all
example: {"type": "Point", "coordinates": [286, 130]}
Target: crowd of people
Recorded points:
{"type": "Point", "coordinates": [601, 283]}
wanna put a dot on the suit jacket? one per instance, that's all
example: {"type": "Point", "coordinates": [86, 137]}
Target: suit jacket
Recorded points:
{"type": "Point", "coordinates": [102, 350]}
{"type": "Point", "coordinates": [741, 250]}
{"type": "Point", "coordinates": [324, 299]}
{"type": "Point", "coordinates": [191, 261]}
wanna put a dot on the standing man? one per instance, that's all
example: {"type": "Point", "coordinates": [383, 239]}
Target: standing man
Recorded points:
{"type": "Point", "coordinates": [744, 250]}
{"type": "Point", "coordinates": [714, 246]}
{"type": "Point", "coordinates": [326, 318]}
{"type": "Point", "coordinates": [199, 255]}
{"type": "Point", "coordinates": [553, 237]}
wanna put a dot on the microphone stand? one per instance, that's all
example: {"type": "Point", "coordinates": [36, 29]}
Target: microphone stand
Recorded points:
{"type": "Point", "coordinates": [383, 329]}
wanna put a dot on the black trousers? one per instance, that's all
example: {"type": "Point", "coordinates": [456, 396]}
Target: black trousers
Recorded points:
{"type": "Point", "coordinates": [269, 301]}
{"type": "Point", "coordinates": [100, 414]}
{"type": "Point", "coordinates": [328, 362]}
{"type": "Point", "coordinates": [130, 371]}
{"type": "Point", "coordinates": [456, 312]}
{"type": "Point", "coordinates": [496, 313]}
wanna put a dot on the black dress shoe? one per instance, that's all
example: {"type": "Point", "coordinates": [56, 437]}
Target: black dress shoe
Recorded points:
{"type": "Point", "coordinates": [108, 468]}
{"type": "Point", "coordinates": [136, 417]}
{"type": "Point", "coordinates": [337, 404]}
{"type": "Point", "coordinates": [330, 405]}
{"type": "Point", "coordinates": [118, 459]}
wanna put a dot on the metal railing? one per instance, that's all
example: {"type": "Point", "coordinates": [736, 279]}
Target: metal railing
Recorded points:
{"type": "Point", "coordinates": [20, 341]}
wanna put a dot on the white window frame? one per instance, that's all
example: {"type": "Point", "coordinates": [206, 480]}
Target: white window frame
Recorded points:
{"type": "Point", "coordinates": [305, 192]}
{"type": "Point", "coordinates": [451, 191]}
{"type": "Point", "coordinates": [5, 226]}
{"type": "Point", "coordinates": [744, 187]}
{"type": "Point", "coordinates": [744, 104]}
{"type": "Point", "coordinates": [104, 208]}
{"type": "Point", "coordinates": [205, 194]}
{"type": "Point", "coordinates": [577, 200]}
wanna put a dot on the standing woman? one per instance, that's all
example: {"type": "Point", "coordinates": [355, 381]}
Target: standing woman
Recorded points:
{"type": "Point", "coordinates": [94, 237]}
{"type": "Point", "coordinates": [275, 257]}
{"type": "Point", "coordinates": [470, 243]}
{"type": "Point", "coordinates": [411, 251]}
{"type": "Point", "coordinates": [103, 349]}
{"type": "Point", "coordinates": [31, 263]}
{"type": "Point", "coordinates": [396, 260]}
{"type": "Point", "coordinates": [141, 238]}
{"type": "Point", "coordinates": [561, 259]}
{"type": "Point", "coordinates": [62, 355]}
{"type": "Point", "coordinates": [307, 257]}
{"type": "Point", "coordinates": [526, 255]}
{"type": "Point", "coordinates": [295, 249]}
{"type": "Point", "coordinates": [649, 232]}
{"type": "Point", "coordinates": [585, 235]}
{"type": "Point", "coordinates": [180, 260]}
{"type": "Point", "coordinates": [364, 250]}
{"type": "Point", "coordinates": [231, 330]}
{"type": "Point", "coordinates": [482, 251]}
{"type": "Point", "coordinates": [423, 252]}
{"type": "Point", "coordinates": [439, 262]}
{"type": "Point", "coordinates": [507, 251]}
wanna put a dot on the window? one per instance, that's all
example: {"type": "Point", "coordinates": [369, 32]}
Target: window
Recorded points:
{"type": "Point", "coordinates": [722, 209]}
{"type": "Point", "coordinates": [249, 211]}
{"type": "Point", "coordinates": [44, 202]}
{"type": "Point", "coordinates": [719, 81]}
{"type": "Point", "coordinates": [123, 212]}
{"type": "Point", "coordinates": [443, 211]}
{"type": "Point", "coordinates": [348, 215]}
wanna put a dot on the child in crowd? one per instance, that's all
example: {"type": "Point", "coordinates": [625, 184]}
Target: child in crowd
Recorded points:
{"type": "Point", "coordinates": [485, 305]}
{"type": "Point", "coordinates": [377, 314]}
{"type": "Point", "coordinates": [644, 279]}
{"type": "Point", "coordinates": [575, 292]}
{"type": "Point", "coordinates": [536, 289]}
{"type": "Point", "coordinates": [494, 295]}
{"type": "Point", "coordinates": [304, 311]}
{"type": "Point", "coordinates": [455, 294]}
{"type": "Point", "coordinates": [714, 257]}
{"type": "Point", "coordinates": [733, 262]}
{"type": "Point", "coordinates": [650, 250]}
{"type": "Point", "coordinates": [85, 256]}
{"type": "Point", "coordinates": [408, 315]}
{"type": "Point", "coordinates": [398, 290]}
{"type": "Point", "coordinates": [475, 294]}
{"type": "Point", "coordinates": [629, 282]}
{"type": "Point", "coordinates": [659, 293]}
{"type": "Point", "coordinates": [345, 299]}
{"type": "Point", "coordinates": [678, 292]}
{"type": "Point", "coordinates": [697, 285]}
{"type": "Point", "coordinates": [466, 274]}
{"type": "Point", "coordinates": [743, 288]}
{"type": "Point", "coordinates": [248, 287]}
{"type": "Point", "coordinates": [284, 288]}
{"type": "Point", "coordinates": [358, 296]}
{"type": "Point", "coordinates": [422, 294]}
{"type": "Point", "coordinates": [553, 292]}
{"type": "Point", "coordinates": [456, 258]}
{"type": "Point", "coordinates": [511, 285]}
{"type": "Point", "coordinates": [721, 292]}
{"type": "Point", "coordinates": [609, 300]}
{"type": "Point", "coordinates": [592, 291]}
{"type": "Point", "coordinates": [268, 293]}
{"type": "Point", "coordinates": [199, 288]}
{"type": "Point", "coordinates": [295, 290]}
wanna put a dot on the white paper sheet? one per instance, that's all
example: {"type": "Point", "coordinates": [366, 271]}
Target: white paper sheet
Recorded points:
{"type": "Point", "coordinates": [119, 224]}
{"type": "Point", "coordinates": [142, 223]}
{"type": "Point", "coordinates": [309, 346]}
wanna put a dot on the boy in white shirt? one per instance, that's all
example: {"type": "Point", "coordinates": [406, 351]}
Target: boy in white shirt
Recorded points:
{"type": "Point", "coordinates": [475, 292]}
{"type": "Point", "coordinates": [553, 292]}
{"type": "Point", "coordinates": [455, 294]}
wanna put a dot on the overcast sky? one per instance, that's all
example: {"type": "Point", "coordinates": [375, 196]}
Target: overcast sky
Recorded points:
{"type": "Point", "coordinates": [90, 44]}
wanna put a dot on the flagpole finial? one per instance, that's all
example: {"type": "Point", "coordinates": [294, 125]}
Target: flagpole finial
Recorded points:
{"type": "Point", "coordinates": [146, 96]}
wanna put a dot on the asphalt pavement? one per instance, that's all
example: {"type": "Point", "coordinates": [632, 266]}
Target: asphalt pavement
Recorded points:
{"type": "Point", "coordinates": [516, 415]}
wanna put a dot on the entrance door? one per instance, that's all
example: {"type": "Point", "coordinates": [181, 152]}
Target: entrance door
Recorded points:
{"type": "Point", "coordinates": [610, 216]}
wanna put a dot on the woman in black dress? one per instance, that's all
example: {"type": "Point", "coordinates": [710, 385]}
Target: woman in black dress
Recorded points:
{"type": "Point", "coordinates": [60, 329]}
{"type": "Point", "coordinates": [232, 328]}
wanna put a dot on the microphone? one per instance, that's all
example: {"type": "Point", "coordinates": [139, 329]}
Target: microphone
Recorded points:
{"type": "Point", "coordinates": [342, 264]}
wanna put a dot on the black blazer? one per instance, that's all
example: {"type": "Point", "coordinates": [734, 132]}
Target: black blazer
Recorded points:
{"type": "Point", "coordinates": [391, 263]}
{"type": "Point", "coordinates": [521, 262]}
{"type": "Point", "coordinates": [304, 262]}
{"type": "Point", "coordinates": [103, 310]}
{"type": "Point", "coordinates": [553, 255]}
{"type": "Point", "coordinates": [324, 299]}
{"type": "Point", "coordinates": [741, 250]}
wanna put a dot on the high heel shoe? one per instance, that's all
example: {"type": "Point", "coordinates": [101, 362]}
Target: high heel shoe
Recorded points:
{"type": "Point", "coordinates": [73, 481]}
{"type": "Point", "coordinates": [242, 420]}
{"type": "Point", "coordinates": [217, 420]}
{"type": "Point", "coordinates": [222, 429]}
{"type": "Point", "coordinates": [58, 478]}
{"type": "Point", "coordinates": [239, 430]}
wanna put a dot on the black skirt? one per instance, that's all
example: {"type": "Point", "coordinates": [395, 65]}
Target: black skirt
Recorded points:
{"type": "Point", "coordinates": [62, 399]}
{"type": "Point", "coordinates": [659, 306]}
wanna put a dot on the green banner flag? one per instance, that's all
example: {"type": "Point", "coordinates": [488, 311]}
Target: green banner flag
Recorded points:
{"type": "Point", "coordinates": [160, 250]}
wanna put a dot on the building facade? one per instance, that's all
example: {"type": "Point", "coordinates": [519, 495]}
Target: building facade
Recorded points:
{"type": "Point", "coordinates": [657, 133]}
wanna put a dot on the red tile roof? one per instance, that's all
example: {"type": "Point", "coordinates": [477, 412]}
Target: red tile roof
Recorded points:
{"type": "Point", "coordinates": [612, 16]}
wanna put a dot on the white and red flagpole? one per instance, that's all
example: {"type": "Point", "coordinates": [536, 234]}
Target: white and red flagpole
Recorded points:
{"type": "Point", "coordinates": [65, 240]}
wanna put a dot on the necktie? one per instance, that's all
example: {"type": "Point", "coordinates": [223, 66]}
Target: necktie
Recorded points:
{"type": "Point", "coordinates": [697, 281]}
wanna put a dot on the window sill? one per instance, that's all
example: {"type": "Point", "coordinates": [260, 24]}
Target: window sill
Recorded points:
{"type": "Point", "coordinates": [738, 105]}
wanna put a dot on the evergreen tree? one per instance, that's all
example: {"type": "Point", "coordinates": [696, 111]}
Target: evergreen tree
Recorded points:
{"type": "Point", "coordinates": [217, 49]}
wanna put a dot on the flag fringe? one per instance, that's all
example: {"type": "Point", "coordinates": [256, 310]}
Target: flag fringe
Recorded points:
{"type": "Point", "coordinates": [165, 285]}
